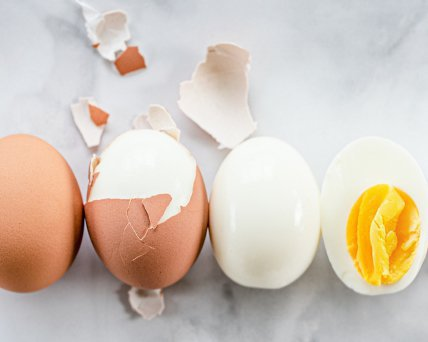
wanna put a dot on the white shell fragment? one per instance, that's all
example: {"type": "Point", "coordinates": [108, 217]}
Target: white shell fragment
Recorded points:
{"type": "Point", "coordinates": [107, 31]}
{"type": "Point", "coordinates": [216, 98]}
{"type": "Point", "coordinates": [84, 112]}
{"type": "Point", "coordinates": [95, 160]}
{"type": "Point", "coordinates": [148, 303]}
{"type": "Point", "coordinates": [158, 119]}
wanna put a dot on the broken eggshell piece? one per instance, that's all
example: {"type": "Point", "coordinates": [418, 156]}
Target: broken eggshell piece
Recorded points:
{"type": "Point", "coordinates": [148, 303]}
{"type": "Point", "coordinates": [107, 31]}
{"type": "Point", "coordinates": [147, 209]}
{"type": "Point", "coordinates": [216, 98]}
{"type": "Point", "coordinates": [129, 61]}
{"type": "Point", "coordinates": [90, 120]}
{"type": "Point", "coordinates": [158, 119]}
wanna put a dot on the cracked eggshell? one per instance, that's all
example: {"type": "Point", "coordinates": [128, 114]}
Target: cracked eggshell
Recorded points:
{"type": "Point", "coordinates": [41, 214]}
{"type": "Point", "coordinates": [147, 210]}
{"type": "Point", "coordinates": [264, 214]}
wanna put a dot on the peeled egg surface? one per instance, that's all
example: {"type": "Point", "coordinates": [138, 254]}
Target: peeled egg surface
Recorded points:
{"type": "Point", "coordinates": [41, 214]}
{"type": "Point", "coordinates": [147, 209]}
{"type": "Point", "coordinates": [264, 214]}
{"type": "Point", "coordinates": [374, 206]}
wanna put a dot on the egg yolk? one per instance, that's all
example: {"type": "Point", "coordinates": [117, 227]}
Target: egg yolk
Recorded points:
{"type": "Point", "coordinates": [383, 233]}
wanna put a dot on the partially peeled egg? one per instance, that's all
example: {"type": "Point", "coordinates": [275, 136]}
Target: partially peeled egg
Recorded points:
{"type": "Point", "coordinates": [147, 209]}
{"type": "Point", "coordinates": [374, 207]}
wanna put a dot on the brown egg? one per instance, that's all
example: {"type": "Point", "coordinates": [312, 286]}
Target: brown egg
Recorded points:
{"type": "Point", "coordinates": [41, 214]}
{"type": "Point", "coordinates": [147, 241]}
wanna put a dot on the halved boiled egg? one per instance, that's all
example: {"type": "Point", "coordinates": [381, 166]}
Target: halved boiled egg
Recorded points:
{"type": "Point", "coordinates": [374, 206]}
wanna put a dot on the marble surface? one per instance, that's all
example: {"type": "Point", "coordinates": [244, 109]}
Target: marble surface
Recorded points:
{"type": "Point", "coordinates": [323, 73]}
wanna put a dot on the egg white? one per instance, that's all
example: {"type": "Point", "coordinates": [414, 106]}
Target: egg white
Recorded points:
{"type": "Point", "coordinates": [142, 163]}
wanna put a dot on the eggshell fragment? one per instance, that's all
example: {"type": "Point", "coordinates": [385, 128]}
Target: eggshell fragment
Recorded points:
{"type": "Point", "coordinates": [98, 116]}
{"type": "Point", "coordinates": [148, 303]}
{"type": "Point", "coordinates": [216, 98]}
{"type": "Point", "coordinates": [159, 119]}
{"type": "Point", "coordinates": [107, 31]}
{"type": "Point", "coordinates": [130, 60]}
{"type": "Point", "coordinates": [41, 214]}
{"type": "Point", "coordinates": [90, 120]}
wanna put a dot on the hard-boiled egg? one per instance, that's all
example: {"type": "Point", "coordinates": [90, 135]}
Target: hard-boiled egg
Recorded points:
{"type": "Point", "coordinates": [147, 208]}
{"type": "Point", "coordinates": [374, 207]}
{"type": "Point", "coordinates": [264, 214]}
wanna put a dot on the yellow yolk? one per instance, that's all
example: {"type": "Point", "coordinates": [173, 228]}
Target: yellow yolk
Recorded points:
{"type": "Point", "coordinates": [382, 234]}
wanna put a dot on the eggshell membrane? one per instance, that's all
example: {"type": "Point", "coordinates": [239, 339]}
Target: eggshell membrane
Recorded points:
{"type": "Point", "coordinates": [151, 258]}
{"type": "Point", "coordinates": [41, 214]}
{"type": "Point", "coordinates": [360, 165]}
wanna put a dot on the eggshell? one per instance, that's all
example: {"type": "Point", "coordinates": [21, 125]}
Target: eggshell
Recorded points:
{"type": "Point", "coordinates": [216, 98]}
{"type": "Point", "coordinates": [130, 60]}
{"type": "Point", "coordinates": [264, 214]}
{"type": "Point", "coordinates": [147, 241]}
{"type": "Point", "coordinates": [41, 214]}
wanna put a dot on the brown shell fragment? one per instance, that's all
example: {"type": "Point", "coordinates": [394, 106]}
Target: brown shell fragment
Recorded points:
{"type": "Point", "coordinates": [132, 246]}
{"type": "Point", "coordinates": [141, 254]}
{"type": "Point", "coordinates": [98, 116]}
{"type": "Point", "coordinates": [130, 60]}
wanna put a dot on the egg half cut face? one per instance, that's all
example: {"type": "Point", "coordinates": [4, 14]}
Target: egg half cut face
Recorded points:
{"type": "Point", "coordinates": [374, 203]}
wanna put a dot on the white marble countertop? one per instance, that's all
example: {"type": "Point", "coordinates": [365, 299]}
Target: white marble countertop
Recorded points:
{"type": "Point", "coordinates": [323, 73]}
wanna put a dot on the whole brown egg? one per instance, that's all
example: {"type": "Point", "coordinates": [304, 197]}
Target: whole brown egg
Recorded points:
{"type": "Point", "coordinates": [41, 214]}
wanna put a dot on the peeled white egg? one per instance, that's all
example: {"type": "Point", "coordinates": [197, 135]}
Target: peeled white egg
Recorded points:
{"type": "Point", "coordinates": [361, 165]}
{"type": "Point", "coordinates": [264, 214]}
